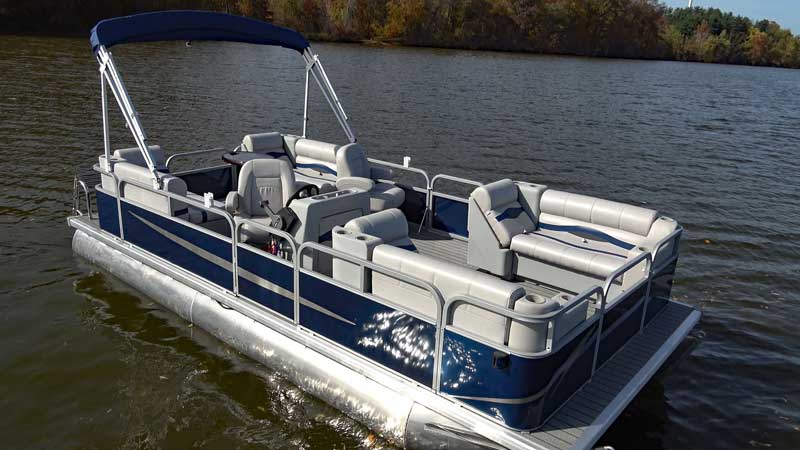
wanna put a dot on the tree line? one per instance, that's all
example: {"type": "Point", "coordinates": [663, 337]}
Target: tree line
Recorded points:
{"type": "Point", "coordinates": [610, 28]}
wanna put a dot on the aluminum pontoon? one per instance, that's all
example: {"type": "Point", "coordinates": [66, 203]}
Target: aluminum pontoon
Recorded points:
{"type": "Point", "coordinates": [520, 317]}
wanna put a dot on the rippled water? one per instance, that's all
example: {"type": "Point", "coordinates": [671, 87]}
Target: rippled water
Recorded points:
{"type": "Point", "coordinates": [87, 363]}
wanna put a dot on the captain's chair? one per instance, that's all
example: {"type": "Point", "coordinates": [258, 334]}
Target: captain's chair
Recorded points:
{"type": "Point", "coordinates": [265, 187]}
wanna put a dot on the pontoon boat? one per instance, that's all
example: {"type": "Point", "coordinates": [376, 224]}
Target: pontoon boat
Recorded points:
{"type": "Point", "coordinates": [519, 317]}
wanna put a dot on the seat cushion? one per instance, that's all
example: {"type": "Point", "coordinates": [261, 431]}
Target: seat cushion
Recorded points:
{"type": "Point", "coordinates": [134, 156]}
{"type": "Point", "coordinates": [590, 210]}
{"type": "Point", "coordinates": [352, 162]}
{"type": "Point", "coordinates": [568, 255]}
{"type": "Point", "coordinates": [316, 158]}
{"type": "Point", "coordinates": [389, 225]}
{"type": "Point", "coordinates": [265, 181]}
{"type": "Point", "coordinates": [270, 144]}
{"type": "Point", "coordinates": [386, 196]}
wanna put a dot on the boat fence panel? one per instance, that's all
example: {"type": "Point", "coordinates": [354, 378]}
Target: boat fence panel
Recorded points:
{"type": "Point", "coordinates": [520, 390]}
{"type": "Point", "coordinates": [386, 333]}
{"type": "Point", "coordinates": [449, 212]}
{"type": "Point", "coordinates": [416, 204]}
{"type": "Point", "coordinates": [266, 275]}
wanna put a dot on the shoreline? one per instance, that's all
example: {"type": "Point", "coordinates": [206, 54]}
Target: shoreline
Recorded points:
{"type": "Point", "coordinates": [397, 43]}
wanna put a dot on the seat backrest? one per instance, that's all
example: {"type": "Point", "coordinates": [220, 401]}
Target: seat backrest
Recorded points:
{"type": "Point", "coordinates": [270, 144]}
{"type": "Point", "coordinates": [132, 172]}
{"type": "Point", "coordinates": [264, 182]}
{"type": "Point", "coordinates": [316, 156]}
{"type": "Point", "coordinates": [390, 225]}
{"type": "Point", "coordinates": [451, 280]}
{"type": "Point", "coordinates": [595, 211]}
{"type": "Point", "coordinates": [134, 156]}
{"type": "Point", "coordinates": [351, 161]}
{"type": "Point", "coordinates": [499, 204]}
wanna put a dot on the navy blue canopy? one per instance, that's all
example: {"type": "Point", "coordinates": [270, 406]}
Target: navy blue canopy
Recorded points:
{"type": "Point", "coordinates": [192, 26]}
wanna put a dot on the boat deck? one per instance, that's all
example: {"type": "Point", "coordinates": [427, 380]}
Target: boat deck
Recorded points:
{"type": "Point", "coordinates": [442, 246]}
{"type": "Point", "coordinates": [587, 415]}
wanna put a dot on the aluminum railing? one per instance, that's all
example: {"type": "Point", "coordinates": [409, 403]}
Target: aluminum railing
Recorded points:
{"type": "Point", "coordinates": [511, 315]}
{"type": "Point", "coordinates": [183, 199]}
{"type": "Point", "coordinates": [76, 198]}
{"type": "Point", "coordinates": [673, 237]}
{"type": "Point", "coordinates": [192, 153]}
{"type": "Point", "coordinates": [443, 309]}
{"type": "Point", "coordinates": [364, 265]}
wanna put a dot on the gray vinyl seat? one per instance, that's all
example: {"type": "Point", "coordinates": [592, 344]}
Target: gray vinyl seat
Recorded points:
{"type": "Point", "coordinates": [270, 144]}
{"type": "Point", "coordinates": [134, 156]}
{"type": "Point", "coordinates": [325, 164]}
{"type": "Point", "coordinates": [265, 185]}
{"type": "Point", "coordinates": [560, 238]}
{"type": "Point", "coordinates": [390, 226]}
{"type": "Point", "coordinates": [355, 171]}
{"type": "Point", "coordinates": [450, 280]}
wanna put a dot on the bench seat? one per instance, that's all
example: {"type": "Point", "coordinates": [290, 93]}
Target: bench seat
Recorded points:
{"type": "Point", "coordinates": [566, 240]}
{"type": "Point", "coordinates": [564, 251]}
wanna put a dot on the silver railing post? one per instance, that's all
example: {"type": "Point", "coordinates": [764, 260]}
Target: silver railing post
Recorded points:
{"type": "Point", "coordinates": [191, 153]}
{"type": "Point", "coordinates": [599, 334]}
{"type": "Point", "coordinates": [305, 107]}
{"type": "Point", "coordinates": [106, 136]}
{"type": "Point", "coordinates": [620, 272]}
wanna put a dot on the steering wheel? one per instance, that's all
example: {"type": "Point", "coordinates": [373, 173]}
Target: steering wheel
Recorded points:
{"type": "Point", "coordinates": [310, 190]}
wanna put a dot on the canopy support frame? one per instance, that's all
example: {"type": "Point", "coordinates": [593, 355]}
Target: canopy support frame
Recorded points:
{"type": "Point", "coordinates": [109, 72]}
{"type": "Point", "coordinates": [314, 67]}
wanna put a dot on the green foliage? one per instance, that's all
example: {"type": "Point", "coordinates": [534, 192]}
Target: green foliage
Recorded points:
{"type": "Point", "coordinates": [613, 28]}
{"type": "Point", "coordinates": [709, 35]}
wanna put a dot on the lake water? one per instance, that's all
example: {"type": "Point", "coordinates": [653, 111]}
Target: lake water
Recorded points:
{"type": "Point", "coordinates": [87, 363]}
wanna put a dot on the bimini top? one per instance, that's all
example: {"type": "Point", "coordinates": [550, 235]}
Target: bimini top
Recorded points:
{"type": "Point", "coordinates": [192, 26]}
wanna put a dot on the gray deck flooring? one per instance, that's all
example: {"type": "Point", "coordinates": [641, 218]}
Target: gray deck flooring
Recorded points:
{"type": "Point", "coordinates": [565, 429]}
{"type": "Point", "coordinates": [439, 245]}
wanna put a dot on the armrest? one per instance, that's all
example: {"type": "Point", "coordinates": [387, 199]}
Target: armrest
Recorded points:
{"type": "Point", "coordinates": [354, 182]}
{"type": "Point", "coordinates": [232, 203]}
{"type": "Point", "coordinates": [380, 173]}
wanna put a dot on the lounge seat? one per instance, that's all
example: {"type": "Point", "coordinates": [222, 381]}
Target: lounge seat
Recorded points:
{"type": "Point", "coordinates": [128, 164]}
{"type": "Point", "coordinates": [270, 144]}
{"type": "Point", "coordinates": [451, 280]}
{"type": "Point", "coordinates": [348, 167]}
{"type": "Point", "coordinates": [390, 226]}
{"type": "Point", "coordinates": [567, 240]}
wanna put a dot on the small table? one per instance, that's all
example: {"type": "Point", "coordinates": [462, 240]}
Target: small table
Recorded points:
{"type": "Point", "coordinates": [239, 158]}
